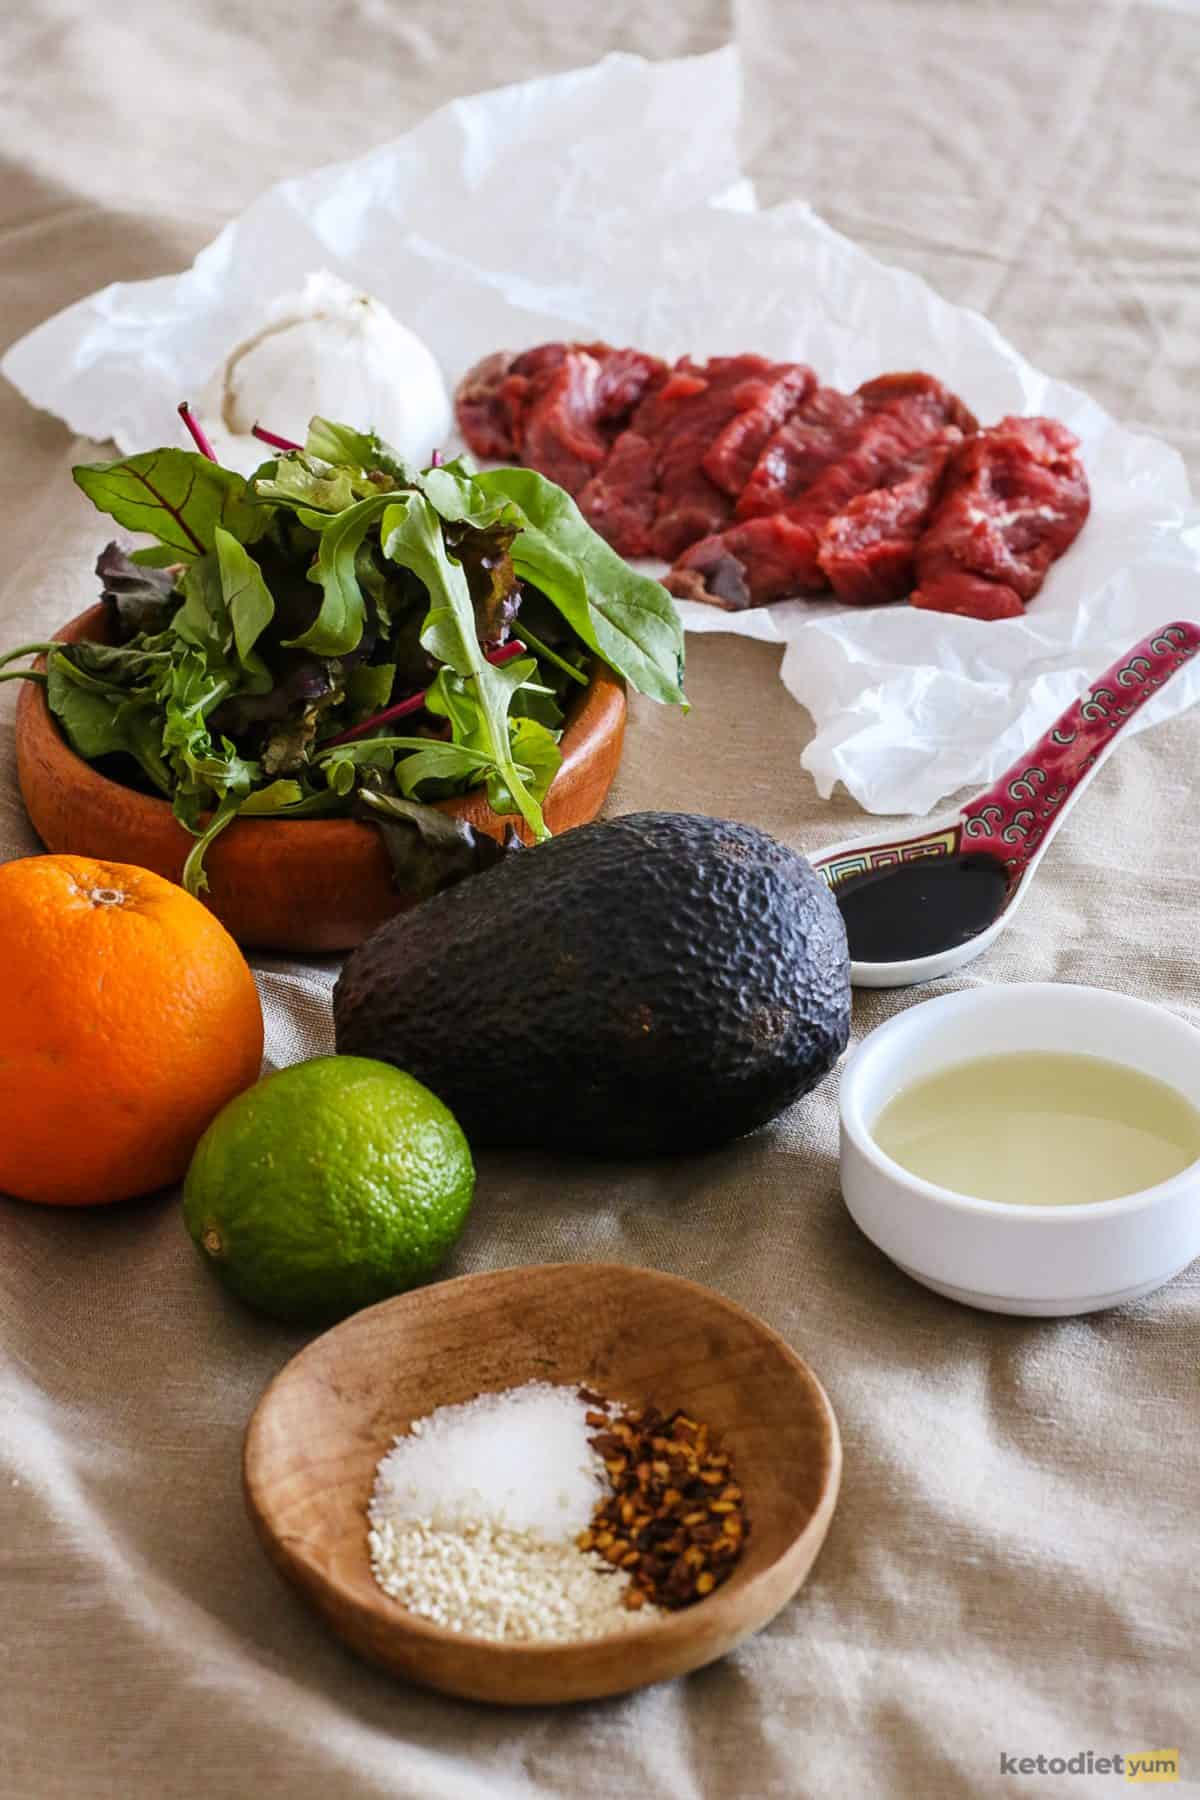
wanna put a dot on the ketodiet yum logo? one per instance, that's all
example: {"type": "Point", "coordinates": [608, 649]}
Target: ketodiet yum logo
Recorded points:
{"type": "Point", "coordinates": [1134, 1765]}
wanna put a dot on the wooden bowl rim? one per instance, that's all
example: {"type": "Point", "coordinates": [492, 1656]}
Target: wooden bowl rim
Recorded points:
{"type": "Point", "coordinates": [676, 1627]}
{"type": "Point", "coordinates": [35, 719]}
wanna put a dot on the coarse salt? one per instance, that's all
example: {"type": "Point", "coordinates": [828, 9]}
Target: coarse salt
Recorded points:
{"type": "Point", "coordinates": [519, 1459]}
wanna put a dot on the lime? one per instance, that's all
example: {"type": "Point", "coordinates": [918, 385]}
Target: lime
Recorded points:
{"type": "Point", "coordinates": [330, 1185]}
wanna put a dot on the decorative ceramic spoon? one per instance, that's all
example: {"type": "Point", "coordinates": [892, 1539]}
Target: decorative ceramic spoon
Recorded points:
{"type": "Point", "coordinates": [936, 900]}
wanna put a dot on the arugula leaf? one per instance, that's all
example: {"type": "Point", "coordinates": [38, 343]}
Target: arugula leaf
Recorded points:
{"type": "Point", "coordinates": [411, 534]}
{"type": "Point", "coordinates": [303, 481]}
{"type": "Point", "coordinates": [286, 799]}
{"type": "Point", "coordinates": [202, 620]}
{"type": "Point", "coordinates": [534, 643]}
{"type": "Point", "coordinates": [194, 878]}
{"type": "Point", "coordinates": [178, 496]}
{"type": "Point", "coordinates": [538, 756]}
{"type": "Point", "coordinates": [455, 493]}
{"type": "Point", "coordinates": [226, 773]}
{"type": "Point", "coordinates": [341, 444]}
{"type": "Point", "coordinates": [366, 750]}
{"type": "Point", "coordinates": [446, 697]}
{"type": "Point", "coordinates": [428, 760]}
{"type": "Point", "coordinates": [442, 762]}
{"type": "Point", "coordinates": [207, 623]}
{"type": "Point", "coordinates": [203, 773]}
{"type": "Point", "coordinates": [191, 690]}
{"type": "Point", "coordinates": [534, 748]}
{"type": "Point", "coordinates": [277, 795]}
{"type": "Point", "coordinates": [449, 697]}
{"type": "Point", "coordinates": [338, 626]}
{"type": "Point", "coordinates": [246, 595]}
{"type": "Point", "coordinates": [627, 618]}
{"type": "Point", "coordinates": [534, 701]}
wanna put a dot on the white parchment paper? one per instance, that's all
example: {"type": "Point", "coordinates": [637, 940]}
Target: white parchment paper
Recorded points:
{"type": "Point", "coordinates": [584, 205]}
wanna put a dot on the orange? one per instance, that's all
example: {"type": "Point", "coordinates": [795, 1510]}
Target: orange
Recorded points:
{"type": "Point", "coordinates": [128, 1017]}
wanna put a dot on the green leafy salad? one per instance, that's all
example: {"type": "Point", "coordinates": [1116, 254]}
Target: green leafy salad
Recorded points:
{"type": "Point", "coordinates": [341, 635]}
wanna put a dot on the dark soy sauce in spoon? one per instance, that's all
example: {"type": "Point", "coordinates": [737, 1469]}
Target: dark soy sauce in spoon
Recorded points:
{"type": "Point", "coordinates": [919, 908]}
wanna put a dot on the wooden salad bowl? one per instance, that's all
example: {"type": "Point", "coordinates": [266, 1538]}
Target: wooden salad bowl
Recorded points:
{"type": "Point", "coordinates": [633, 1335]}
{"type": "Point", "coordinates": [282, 884]}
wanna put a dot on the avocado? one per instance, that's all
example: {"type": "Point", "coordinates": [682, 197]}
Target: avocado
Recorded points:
{"type": "Point", "coordinates": [656, 983]}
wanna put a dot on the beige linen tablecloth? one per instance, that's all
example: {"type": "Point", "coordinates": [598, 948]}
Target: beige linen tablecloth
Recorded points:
{"type": "Point", "coordinates": [1012, 1569]}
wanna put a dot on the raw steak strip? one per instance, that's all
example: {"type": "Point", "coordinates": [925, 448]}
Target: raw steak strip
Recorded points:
{"type": "Point", "coordinates": [768, 557]}
{"type": "Point", "coordinates": [866, 551]}
{"type": "Point", "coordinates": [707, 415]}
{"type": "Point", "coordinates": [482, 408]}
{"type": "Point", "coordinates": [621, 499]}
{"type": "Point", "coordinates": [557, 408]}
{"type": "Point", "coordinates": [820, 431]}
{"type": "Point", "coordinates": [763, 402]}
{"type": "Point", "coordinates": [672, 477]}
{"type": "Point", "coordinates": [681, 420]}
{"type": "Point", "coordinates": [748, 565]}
{"type": "Point", "coordinates": [1015, 497]}
{"type": "Point", "coordinates": [560, 431]}
{"type": "Point", "coordinates": [689, 506]}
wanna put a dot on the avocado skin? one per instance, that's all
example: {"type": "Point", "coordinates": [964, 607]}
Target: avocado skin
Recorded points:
{"type": "Point", "coordinates": [655, 983]}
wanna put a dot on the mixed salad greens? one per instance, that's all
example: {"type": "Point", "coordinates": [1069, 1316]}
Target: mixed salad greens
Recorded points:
{"type": "Point", "coordinates": [341, 635]}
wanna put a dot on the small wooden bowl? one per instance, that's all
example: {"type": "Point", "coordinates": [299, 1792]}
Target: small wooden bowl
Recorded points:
{"type": "Point", "coordinates": [634, 1335]}
{"type": "Point", "coordinates": [281, 884]}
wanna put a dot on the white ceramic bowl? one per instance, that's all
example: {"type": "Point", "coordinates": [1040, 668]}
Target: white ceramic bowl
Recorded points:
{"type": "Point", "coordinates": [1040, 1260]}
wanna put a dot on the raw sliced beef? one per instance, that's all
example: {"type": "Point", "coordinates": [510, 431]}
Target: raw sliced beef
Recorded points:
{"type": "Point", "coordinates": [681, 420]}
{"type": "Point", "coordinates": [820, 431]}
{"type": "Point", "coordinates": [482, 407]}
{"type": "Point", "coordinates": [621, 499]}
{"type": "Point", "coordinates": [830, 428]}
{"type": "Point", "coordinates": [898, 418]}
{"type": "Point", "coordinates": [561, 429]}
{"type": "Point", "coordinates": [689, 505]}
{"type": "Point", "coordinates": [902, 416]}
{"type": "Point", "coordinates": [747, 565]}
{"type": "Point", "coordinates": [759, 483]}
{"type": "Point", "coordinates": [1015, 497]}
{"type": "Point", "coordinates": [557, 407]}
{"type": "Point", "coordinates": [673, 476]}
{"type": "Point", "coordinates": [763, 401]}
{"type": "Point", "coordinates": [866, 551]}
{"type": "Point", "coordinates": [626, 377]}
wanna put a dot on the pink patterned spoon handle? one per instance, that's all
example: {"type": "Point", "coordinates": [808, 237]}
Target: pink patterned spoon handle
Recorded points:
{"type": "Point", "coordinates": [1012, 819]}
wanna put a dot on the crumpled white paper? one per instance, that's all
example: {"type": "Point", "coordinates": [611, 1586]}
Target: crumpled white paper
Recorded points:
{"type": "Point", "coordinates": [584, 205]}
